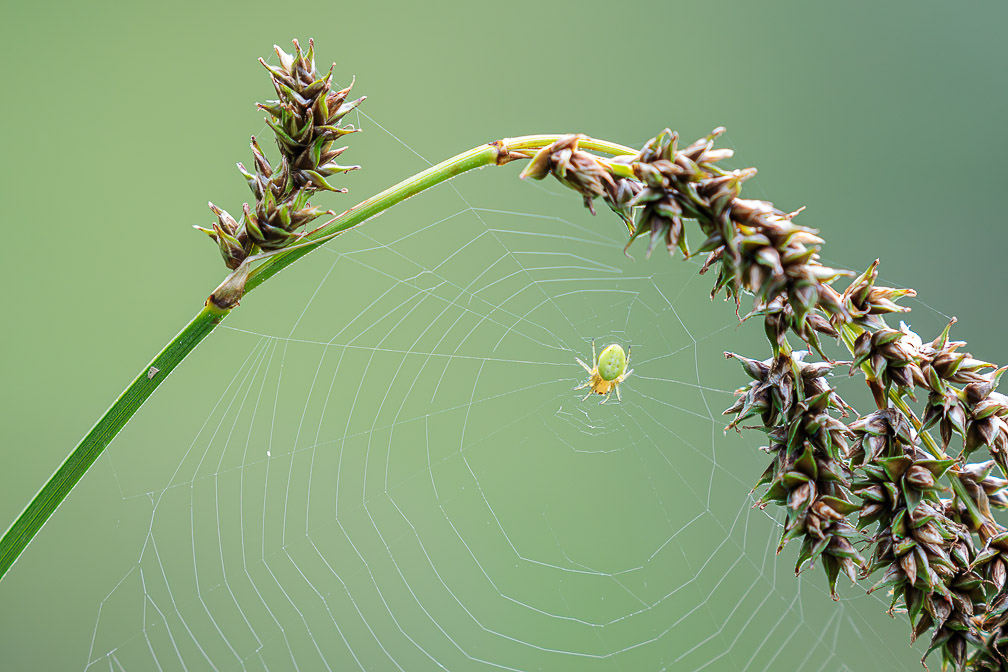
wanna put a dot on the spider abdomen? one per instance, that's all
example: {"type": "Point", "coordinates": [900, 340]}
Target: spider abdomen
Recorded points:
{"type": "Point", "coordinates": [606, 372]}
{"type": "Point", "coordinates": [612, 363]}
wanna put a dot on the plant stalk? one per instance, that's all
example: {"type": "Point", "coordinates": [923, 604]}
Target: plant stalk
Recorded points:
{"type": "Point", "coordinates": [58, 487]}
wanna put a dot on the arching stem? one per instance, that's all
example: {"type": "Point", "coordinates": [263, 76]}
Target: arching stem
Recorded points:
{"type": "Point", "coordinates": [33, 517]}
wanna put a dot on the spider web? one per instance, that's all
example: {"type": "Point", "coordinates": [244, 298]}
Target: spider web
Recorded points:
{"type": "Point", "coordinates": [398, 474]}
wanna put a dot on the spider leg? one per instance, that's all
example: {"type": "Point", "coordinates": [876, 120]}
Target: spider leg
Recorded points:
{"type": "Point", "coordinates": [581, 387]}
{"type": "Point", "coordinates": [618, 397]}
{"type": "Point", "coordinates": [583, 365]}
{"type": "Point", "coordinates": [594, 357]}
{"type": "Point", "coordinates": [606, 398]}
{"type": "Point", "coordinates": [625, 375]}
{"type": "Point", "coordinates": [588, 395]}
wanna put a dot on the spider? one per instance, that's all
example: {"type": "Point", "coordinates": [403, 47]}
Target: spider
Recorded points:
{"type": "Point", "coordinates": [608, 370]}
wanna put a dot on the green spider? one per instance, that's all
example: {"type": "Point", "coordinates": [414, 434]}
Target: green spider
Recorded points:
{"type": "Point", "coordinates": [607, 371]}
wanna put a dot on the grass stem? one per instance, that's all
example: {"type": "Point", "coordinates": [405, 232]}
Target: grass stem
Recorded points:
{"type": "Point", "coordinates": [58, 487]}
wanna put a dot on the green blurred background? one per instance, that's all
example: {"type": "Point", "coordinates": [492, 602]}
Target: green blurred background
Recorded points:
{"type": "Point", "coordinates": [579, 538]}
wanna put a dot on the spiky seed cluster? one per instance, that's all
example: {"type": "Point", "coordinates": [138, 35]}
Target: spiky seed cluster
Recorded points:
{"type": "Point", "coordinates": [757, 247]}
{"type": "Point", "coordinates": [585, 173]}
{"type": "Point", "coordinates": [306, 121]}
{"type": "Point", "coordinates": [664, 171]}
{"type": "Point", "coordinates": [891, 356]}
{"type": "Point", "coordinates": [230, 236]}
{"type": "Point", "coordinates": [779, 319]}
{"type": "Point", "coordinates": [943, 368]}
{"type": "Point", "coordinates": [987, 418]}
{"type": "Point", "coordinates": [924, 554]}
{"type": "Point", "coordinates": [961, 389]}
{"type": "Point", "coordinates": [778, 260]}
{"type": "Point", "coordinates": [993, 655]}
{"type": "Point", "coordinates": [934, 536]}
{"type": "Point", "coordinates": [863, 300]}
{"type": "Point", "coordinates": [808, 475]}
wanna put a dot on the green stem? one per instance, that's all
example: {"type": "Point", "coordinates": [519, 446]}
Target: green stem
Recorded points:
{"type": "Point", "coordinates": [91, 446]}
{"type": "Point", "coordinates": [59, 485]}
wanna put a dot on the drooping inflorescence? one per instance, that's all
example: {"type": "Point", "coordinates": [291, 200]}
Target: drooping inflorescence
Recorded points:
{"type": "Point", "coordinates": [306, 120]}
{"type": "Point", "coordinates": [924, 516]}
{"type": "Point", "coordinates": [809, 475]}
{"type": "Point", "coordinates": [925, 513]}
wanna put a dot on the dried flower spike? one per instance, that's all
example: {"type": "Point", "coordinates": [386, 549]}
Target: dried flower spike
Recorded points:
{"type": "Point", "coordinates": [586, 174]}
{"type": "Point", "coordinates": [306, 119]}
{"type": "Point", "coordinates": [932, 534]}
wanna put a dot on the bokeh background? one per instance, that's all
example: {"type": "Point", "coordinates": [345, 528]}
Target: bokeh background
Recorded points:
{"type": "Point", "coordinates": [122, 120]}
